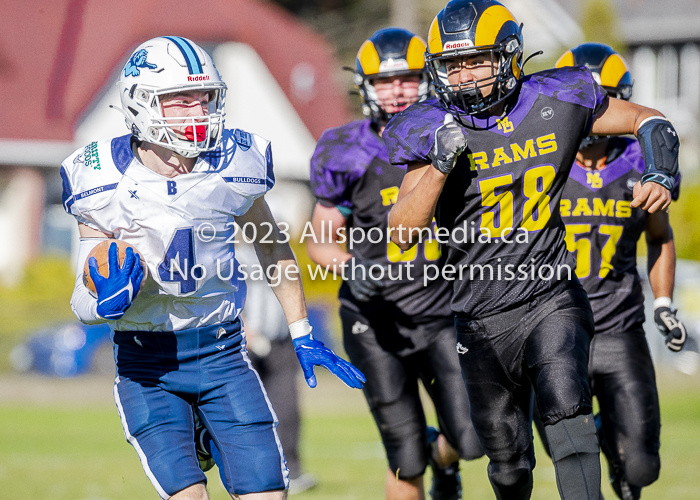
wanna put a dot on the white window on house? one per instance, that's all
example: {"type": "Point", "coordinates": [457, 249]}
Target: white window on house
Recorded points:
{"type": "Point", "coordinates": [644, 75]}
{"type": "Point", "coordinates": [667, 90]}
{"type": "Point", "coordinates": [690, 78]}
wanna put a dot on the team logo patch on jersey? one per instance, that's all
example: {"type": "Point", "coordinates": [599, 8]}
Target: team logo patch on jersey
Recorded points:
{"type": "Point", "coordinates": [91, 157]}
{"type": "Point", "coordinates": [243, 139]}
{"type": "Point", "coordinates": [505, 125]}
{"type": "Point", "coordinates": [594, 180]}
{"type": "Point", "coordinates": [630, 183]}
{"type": "Point", "coordinates": [547, 113]}
{"type": "Point", "coordinates": [137, 61]}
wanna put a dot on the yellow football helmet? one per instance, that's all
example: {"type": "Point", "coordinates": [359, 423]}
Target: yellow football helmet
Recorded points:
{"type": "Point", "coordinates": [467, 28]}
{"type": "Point", "coordinates": [389, 52]}
{"type": "Point", "coordinates": [609, 69]}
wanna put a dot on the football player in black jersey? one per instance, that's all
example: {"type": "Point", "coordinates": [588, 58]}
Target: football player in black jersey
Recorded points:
{"type": "Point", "coordinates": [395, 329]}
{"type": "Point", "coordinates": [489, 157]}
{"type": "Point", "coordinates": [602, 230]}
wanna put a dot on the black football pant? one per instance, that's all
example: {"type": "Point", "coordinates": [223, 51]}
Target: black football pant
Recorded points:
{"type": "Point", "coordinates": [622, 378]}
{"type": "Point", "coordinates": [392, 392]}
{"type": "Point", "coordinates": [543, 345]}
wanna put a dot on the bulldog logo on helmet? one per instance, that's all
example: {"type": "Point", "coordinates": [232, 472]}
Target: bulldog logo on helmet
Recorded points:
{"type": "Point", "coordinates": [138, 60]}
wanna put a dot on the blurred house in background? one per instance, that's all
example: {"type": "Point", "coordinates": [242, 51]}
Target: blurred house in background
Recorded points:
{"type": "Point", "coordinates": [60, 60]}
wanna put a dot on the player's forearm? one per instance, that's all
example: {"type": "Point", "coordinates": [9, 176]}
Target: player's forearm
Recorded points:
{"type": "Point", "coordinates": [82, 303]}
{"type": "Point", "coordinates": [327, 254]}
{"type": "Point", "coordinates": [282, 272]}
{"type": "Point", "coordinates": [662, 267]}
{"type": "Point", "coordinates": [416, 209]}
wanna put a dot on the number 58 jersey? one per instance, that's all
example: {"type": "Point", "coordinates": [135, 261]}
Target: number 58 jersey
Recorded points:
{"type": "Point", "coordinates": [182, 226]}
{"type": "Point", "coordinates": [500, 203]}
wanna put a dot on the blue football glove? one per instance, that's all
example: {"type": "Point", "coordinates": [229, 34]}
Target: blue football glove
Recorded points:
{"type": "Point", "coordinates": [115, 294]}
{"type": "Point", "coordinates": [312, 352]}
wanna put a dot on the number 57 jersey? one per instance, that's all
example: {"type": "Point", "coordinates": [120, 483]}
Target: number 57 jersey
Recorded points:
{"type": "Point", "coordinates": [182, 226]}
{"type": "Point", "coordinates": [602, 230]}
{"type": "Point", "coordinates": [501, 201]}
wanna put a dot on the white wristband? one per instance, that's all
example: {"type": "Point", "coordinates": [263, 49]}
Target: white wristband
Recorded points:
{"type": "Point", "coordinates": [300, 328]}
{"type": "Point", "coordinates": [662, 302]}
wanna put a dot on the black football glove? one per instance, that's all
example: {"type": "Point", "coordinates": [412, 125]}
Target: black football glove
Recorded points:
{"type": "Point", "coordinates": [450, 141]}
{"type": "Point", "coordinates": [362, 285]}
{"type": "Point", "coordinates": [669, 326]}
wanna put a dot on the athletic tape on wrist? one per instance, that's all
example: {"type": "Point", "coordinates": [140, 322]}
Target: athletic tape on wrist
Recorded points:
{"type": "Point", "coordinates": [300, 328]}
{"type": "Point", "coordinates": [662, 302]}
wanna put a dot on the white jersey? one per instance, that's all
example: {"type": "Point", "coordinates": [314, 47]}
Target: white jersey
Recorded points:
{"type": "Point", "coordinates": [182, 227]}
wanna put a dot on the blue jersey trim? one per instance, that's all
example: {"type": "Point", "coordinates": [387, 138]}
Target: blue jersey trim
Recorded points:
{"type": "Point", "coordinates": [193, 64]}
{"type": "Point", "coordinates": [121, 152]}
{"type": "Point", "coordinates": [270, 180]}
{"type": "Point", "coordinates": [97, 190]}
{"type": "Point", "coordinates": [67, 194]}
{"type": "Point", "coordinates": [244, 180]}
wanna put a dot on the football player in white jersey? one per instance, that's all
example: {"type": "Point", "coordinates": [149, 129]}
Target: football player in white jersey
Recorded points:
{"type": "Point", "coordinates": [173, 188]}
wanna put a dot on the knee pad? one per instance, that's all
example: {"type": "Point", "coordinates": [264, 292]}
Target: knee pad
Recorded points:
{"type": "Point", "coordinates": [469, 447]}
{"type": "Point", "coordinates": [408, 456]}
{"type": "Point", "coordinates": [642, 470]}
{"type": "Point", "coordinates": [511, 480]}
{"type": "Point", "coordinates": [572, 436]}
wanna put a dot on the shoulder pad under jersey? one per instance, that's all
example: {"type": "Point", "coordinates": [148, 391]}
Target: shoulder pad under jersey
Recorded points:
{"type": "Point", "coordinates": [574, 85]}
{"type": "Point", "coordinates": [91, 174]}
{"type": "Point", "coordinates": [410, 134]}
{"type": "Point", "coordinates": [342, 156]}
{"type": "Point", "coordinates": [244, 161]}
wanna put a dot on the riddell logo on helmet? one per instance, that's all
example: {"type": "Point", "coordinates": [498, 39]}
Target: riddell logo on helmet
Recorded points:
{"type": "Point", "coordinates": [197, 78]}
{"type": "Point", "coordinates": [458, 45]}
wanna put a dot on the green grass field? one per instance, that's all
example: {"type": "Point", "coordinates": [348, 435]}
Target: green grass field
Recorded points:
{"type": "Point", "coordinates": [62, 440]}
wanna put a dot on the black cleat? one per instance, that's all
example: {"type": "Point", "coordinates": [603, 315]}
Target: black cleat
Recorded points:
{"type": "Point", "coordinates": [622, 488]}
{"type": "Point", "coordinates": [201, 437]}
{"type": "Point", "coordinates": [446, 484]}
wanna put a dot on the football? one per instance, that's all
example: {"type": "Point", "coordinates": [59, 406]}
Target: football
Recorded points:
{"type": "Point", "coordinates": [101, 254]}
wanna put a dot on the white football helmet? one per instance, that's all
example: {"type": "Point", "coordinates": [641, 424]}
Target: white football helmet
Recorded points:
{"type": "Point", "coordinates": [165, 65]}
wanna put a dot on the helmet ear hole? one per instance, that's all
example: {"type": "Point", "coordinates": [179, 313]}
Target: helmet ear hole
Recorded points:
{"type": "Point", "coordinates": [142, 95]}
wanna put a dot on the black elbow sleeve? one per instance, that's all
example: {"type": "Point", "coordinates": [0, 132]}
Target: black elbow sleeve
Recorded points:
{"type": "Point", "coordinates": [659, 142]}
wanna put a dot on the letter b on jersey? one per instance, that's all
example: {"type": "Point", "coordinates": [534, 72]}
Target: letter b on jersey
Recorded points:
{"type": "Point", "coordinates": [172, 187]}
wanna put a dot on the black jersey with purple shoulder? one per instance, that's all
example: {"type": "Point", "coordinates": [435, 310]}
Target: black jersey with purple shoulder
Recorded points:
{"type": "Point", "coordinates": [602, 231]}
{"type": "Point", "coordinates": [506, 187]}
{"type": "Point", "coordinates": [351, 171]}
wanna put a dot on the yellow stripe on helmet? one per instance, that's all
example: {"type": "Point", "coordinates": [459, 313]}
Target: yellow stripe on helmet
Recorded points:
{"type": "Point", "coordinates": [613, 71]}
{"type": "Point", "coordinates": [369, 58]}
{"type": "Point", "coordinates": [415, 54]}
{"type": "Point", "coordinates": [490, 23]}
{"type": "Point", "coordinates": [434, 38]}
{"type": "Point", "coordinates": [567, 59]}
{"type": "Point", "coordinates": [516, 69]}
